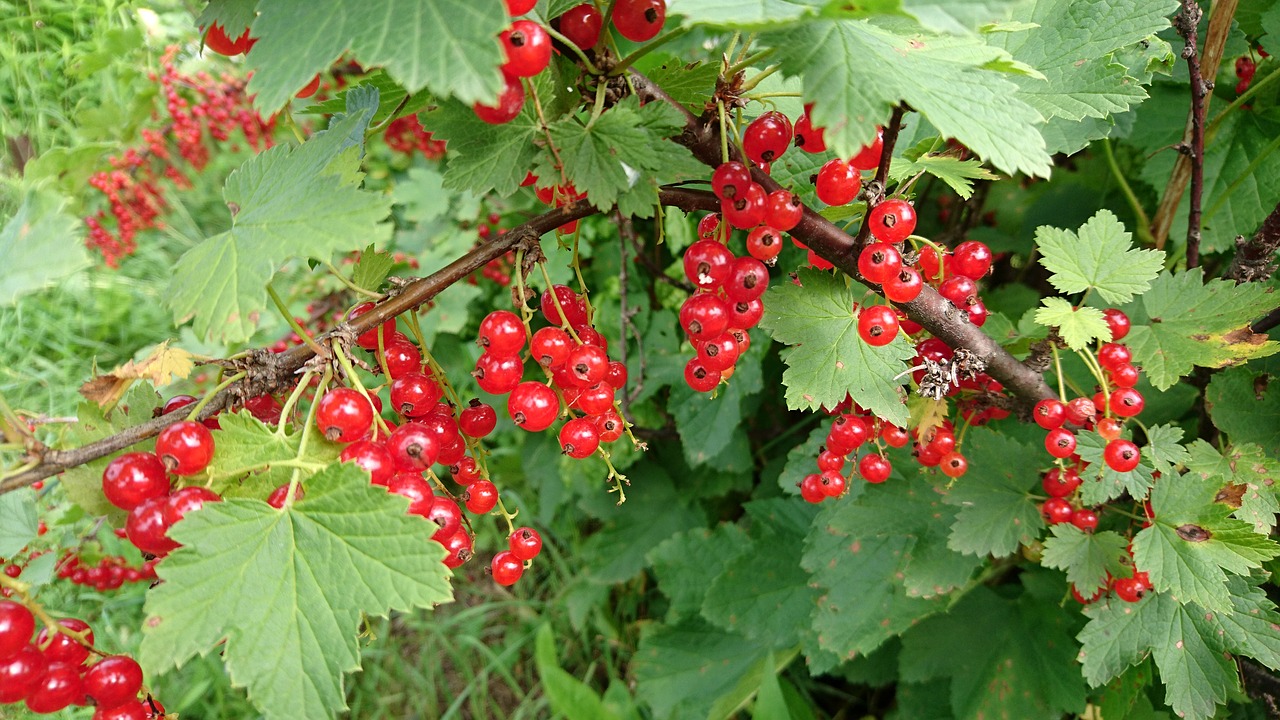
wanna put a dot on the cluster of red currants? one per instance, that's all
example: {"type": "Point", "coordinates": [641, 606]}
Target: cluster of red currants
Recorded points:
{"type": "Point", "coordinates": [528, 45]}
{"type": "Point", "coordinates": [406, 135]}
{"type": "Point", "coordinates": [51, 673]}
{"type": "Point", "coordinates": [109, 573]}
{"type": "Point", "coordinates": [851, 428]}
{"type": "Point", "coordinates": [1246, 67]}
{"type": "Point", "coordinates": [1129, 589]}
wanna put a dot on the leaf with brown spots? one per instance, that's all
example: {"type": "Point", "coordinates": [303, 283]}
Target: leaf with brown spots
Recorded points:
{"type": "Point", "coordinates": [162, 366]}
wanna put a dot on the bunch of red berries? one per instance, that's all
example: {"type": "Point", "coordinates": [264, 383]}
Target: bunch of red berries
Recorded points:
{"type": "Point", "coordinates": [109, 573]}
{"type": "Point", "coordinates": [50, 672]}
{"type": "Point", "coordinates": [852, 428]}
{"type": "Point", "coordinates": [406, 135]}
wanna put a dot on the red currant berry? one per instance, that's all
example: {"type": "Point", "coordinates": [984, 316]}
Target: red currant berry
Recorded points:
{"type": "Point", "coordinates": [1118, 322]}
{"type": "Point", "coordinates": [720, 353]}
{"type": "Point", "coordinates": [413, 447]}
{"type": "Point", "coordinates": [587, 365]}
{"type": "Point", "coordinates": [579, 438]}
{"type": "Point", "coordinates": [811, 488]}
{"type": "Point", "coordinates": [477, 420]}
{"type": "Point", "coordinates": [19, 673]}
{"type": "Point", "coordinates": [1127, 402]}
{"type": "Point", "coordinates": [953, 464]}
{"type": "Point", "coordinates": [148, 529]}
{"type": "Point", "coordinates": [828, 460]}
{"type": "Point", "coordinates": [894, 436]}
{"type": "Point", "coordinates": [960, 290]}
{"type": "Point", "coordinates": [616, 375]}
{"type": "Point", "coordinates": [279, 495]}
{"type": "Point", "coordinates": [533, 406]}
{"type": "Point", "coordinates": [874, 468]}
{"type": "Point", "coordinates": [309, 89]}
{"type": "Point", "coordinates": [506, 567]}
{"type": "Point", "coordinates": [566, 300]}
{"type": "Point", "coordinates": [461, 549]}
{"type": "Point", "coordinates": [1129, 589]}
{"type": "Point", "coordinates": [1049, 413]}
{"type": "Point", "coordinates": [59, 687]}
{"type": "Point", "coordinates": [699, 377]}
{"type": "Point", "coordinates": [707, 264]}
{"type": "Point", "coordinates": [185, 447]}
{"type": "Point", "coordinates": [1124, 375]}
{"type": "Point", "coordinates": [369, 339]}
{"type": "Point", "coordinates": [730, 180]}
{"type": "Point", "coordinates": [767, 137]}
{"type": "Point", "coordinates": [550, 347]}
{"type": "Point", "coordinates": [877, 325]}
{"type": "Point", "coordinates": [525, 543]}
{"type": "Point", "coordinates": [64, 648]}
{"type": "Point", "coordinates": [412, 485]}
{"type": "Point", "coordinates": [879, 262]}
{"type": "Point", "coordinates": [402, 357]}
{"type": "Point", "coordinates": [1060, 442]}
{"type": "Point", "coordinates": [447, 516]}
{"type": "Point", "coordinates": [371, 457]}
{"type": "Point", "coordinates": [581, 24]}
{"type": "Point", "coordinates": [465, 471]}
{"type": "Point", "coordinates": [1056, 510]}
{"type": "Point", "coordinates": [868, 158]}
{"type": "Point", "coordinates": [1121, 455]}
{"type": "Point", "coordinates": [745, 316]}
{"type": "Point", "coordinates": [747, 281]}
{"type": "Point", "coordinates": [892, 221]}
{"type": "Point", "coordinates": [1085, 519]}
{"type": "Point", "coordinates": [502, 333]}
{"type": "Point", "coordinates": [610, 425]}
{"type": "Point", "coordinates": [848, 432]}
{"type": "Point", "coordinates": [17, 624]}
{"type": "Point", "coordinates": [1112, 355]}
{"type": "Point", "coordinates": [344, 415]}
{"type": "Point", "coordinates": [498, 375]}
{"type": "Point", "coordinates": [747, 209]}
{"type": "Point", "coordinates": [1081, 410]}
{"type": "Point", "coordinates": [783, 210]}
{"type": "Point", "coordinates": [838, 182]}
{"type": "Point", "coordinates": [528, 49]}
{"type": "Point", "coordinates": [414, 394]}
{"type": "Point", "coordinates": [133, 478]}
{"type": "Point", "coordinates": [970, 259]}
{"type": "Point", "coordinates": [704, 316]}
{"type": "Point", "coordinates": [187, 500]}
{"type": "Point", "coordinates": [809, 138]}
{"type": "Point", "coordinates": [904, 286]}
{"type": "Point", "coordinates": [596, 399]}
{"type": "Point", "coordinates": [218, 41]}
{"type": "Point", "coordinates": [510, 102]}
{"type": "Point", "coordinates": [1059, 483]}
{"type": "Point", "coordinates": [833, 484]}
{"type": "Point", "coordinates": [113, 681]}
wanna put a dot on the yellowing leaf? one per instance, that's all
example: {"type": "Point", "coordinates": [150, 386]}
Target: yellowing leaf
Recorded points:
{"type": "Point", "coordinates": [164, 365]}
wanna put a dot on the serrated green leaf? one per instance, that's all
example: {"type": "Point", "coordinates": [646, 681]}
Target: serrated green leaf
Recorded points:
{"type": "Point", "coordinates": [233, 15]}
{"type": "Point", "coordinates": [962, 17]}
{"type": "Point", "coordinates": [752, 15]}
{"type": "Point", "coordinates": [1079, 327]}
{"type": "Point", "coordinates": [18, 521]}
{"type": "Point", "coordinates": [246, 464]}
{"type": "Point", "coordinates": [473, 145]}
{"type": "Point", "coordinates": [689, 84]}
{"type": "Point", "coordinates": [770, 702]}
{"type": "Point", "coordinates": [1164, 449]}
{"type": "Point", "coordinates": [1193, 543]}
{"type": "Point", "coordinates": [286, 202]}
{"type": "Point", "coordinates": [1244, 402]}
{"type": "Point", "coordinates": [372, 268]}
{"type": "Point", "coordinates": [856, 72]}
{"type": "Point", "coordinates": [40, 244]}
{"type": "Point", "coordinates": [1183, 322]}
{"type": "Point", "coordinates": [286, 589]}
{"type": "Point", "coordinates": [422, 195]}
{"type": "Point", "coordinates": [393, 100]}
{"type": "Point", "coordinates": [707, 425]}
{"type": "Point", "coordinates": [83, 483]}
{"type": "Point", "coordinates": [1097, 257]}
{"type": "Point", "coordinates": [1086, 557]}
{"type": "Point", "coordinates": [1100, 482]}
{"type": "Point", "coordinates": [654, 511]}
{"type": "Point", "coordinates": [997, 501]}
{"type": "Point", "coordinates": [1251, 629]}
{"type": "Point", "coordinates": [1182, 639]}
{"type": "Point", "coordinates": [828, 360]}
{"type": "Point", "coordinates": [1250, 471]}
{"type": "Point", "coordinates": [681, 670]}
{"type": "Point", "coordinates": [956, 173]}
{"type": "Point", "coordinates": [800, 460]}
{"type": "Point", "coordinates": [1001, 656]}
{"type": "Point", "coordinates": [683, 563]}
{"type": "Point", "coordinates": [448, 46]}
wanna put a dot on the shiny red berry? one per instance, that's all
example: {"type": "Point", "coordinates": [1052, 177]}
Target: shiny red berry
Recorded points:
{"type": "Point", "coordinates": [892, 221]}
{"type": "Point", "coordinates": [1121, 455]}
{"type": "Point", "coordinates": [502, 333]}
{"type": "Point", "coordinates": [133, 478]}
{"type": "Point", "coordinates": [533, 406]}
{"type": "Point", "coordinates": [767, 137]}
{"type": "Point", "coordinates": [582, 24]}
{"type": "Point", "coordinates": [506, 568]}
{"type": "Point", "coordinates": [185, 447]}
{"type": "Point", "coordinates": [528, 48]}
{"type": "Point", "coordinates": [838, 182]}
{"type": "Point", "coordinates": [113, 681]}
{"type": "Point", "coordinates": [510, 102]}
{"type": "Point", "coordinates": [879, 262]}
{"type": "Point", "coordinates": [344, 415]}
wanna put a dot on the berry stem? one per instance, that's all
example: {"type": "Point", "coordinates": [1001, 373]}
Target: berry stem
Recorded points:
{"type": "Point", "coordinates": [573, 47]}
{"type": "Point", "coordinates": [292, 400]}
{"type": "Point", "coordinates": [618, 478]}
{"type": "Point", "coordinates": [195, 409]}
{"type": "Point", "coordinates": [293, 323]}
{"type": "Point", "coordinates": [621, 66]}
{"type": "Point", "coordinates": [1144, 222]}
{"type": "Point", "coordinates": [295, 476]}
{"type": "Point", "coordinates": [744, 63]}
{"type": "Point", "coordinates": [755, 80]}
{"type": "Point", "coordinates": [372, 295]}
{"type": "Point", "coordinates": [354, 379]}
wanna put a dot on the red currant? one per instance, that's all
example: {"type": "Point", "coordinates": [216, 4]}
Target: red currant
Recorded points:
{"type": "Point", "coordinates": [460, 546]}
{"type": "Point", "coordinates": [747, 209]}
{"type": "Point", "coordinates": [510, 102]}
{"type": "Point", "coordinates": [953, 464]}
{"type": "Point", "coordinates": [809, 138]}
{"type": "Point", "coordinates": [550, 347]}
{"type": "Point", "coordinates": [533, 406]}
{"type": "Point", "coordinates": [216, 40]}
{"type": "Point", "coordinates": [371, 457]}
{"type": "Point", "coordinates": [1085, 519]}
{"type": "Point", "coordinates": [498, 375]}
{"type": "Point", "coordinates": [477, 420]}
{"type": "Point", "coordinates": [187, 500]}
{"type": "Point", "coordinates": [411, 485]}
{"type": "Point", "coordinates": [59, 687]}
{"type": "Point", "coordinates": [704, 316]}
{"type": "Point", "coordinates": [148, 529]}
{"type": "Point", "coordinates": [579, 438]}
{"type": "Point", "coordinates": [185, 447]}
{"type": "Point", "coordinates": [133, 478]}
{"type": "Point", "coordinates": [1124, 375]}
{"type": "Point", "coordinates": [1060, 483]}
{"type": "Point", "coordinates": [414, 394]}
{"type": "Point", "coordinates": [1060, 442]}
{"type": "Point", "coordinates": [506, 567]}
{"type": "Point", "coordinates": [767, 137]}
{"type": "Point", "coordinates": [868, 158]}
{"type": "Point", "coordinates": [17, 624]}
{"type": "Point", "coordinates": [960, 290]}
{"type": "Point", "coordinates": [581, 24]}
{"type": "Point", "coordinates": [525, 543]}
{"type": "Point", "coordinates": [19, 673]}
{"type": "Point", "coordinates": [720, 353]}
{"type": "Point", "coordinates": [1126, 402]}
{"type": "Point", "coordinates": [402, 357]}
{"type": "Point", "coordinates": [1112, 355]}
{"type": "Point", "coordinates": [904, 286]}
{"type": "Point", "coordinates": [877, 325]}
{"type": "Point", "coordinates": [874, 468]}
{"type": "Point", "coordinates": [113, 681]}
{"type": "Point", "coordinates": [892, 221]}
{"type": "Point", "coordinates": [528, 49]}
{"type": "Point", "coordinates": [1056, 510]}
{"type": "Point", "coordinates": [879, 262]}
{"type": "Point", "coordinates": [566, 300]}
{"type": "Point", "coordinates": [344, 415]}
{"type": "Point", "coordinates": [730, 180]}
{"type": "Point", "coordinates": [516, 8]}
{"type": "Point", "coordinates": [1118, 322]}
{"type": "Point", "coordinates": [783, 210]}
{"type": "Point", "coordinates": [971, 259]}
{"type": "Point", "coordinates": [811, 488]}
{"type": "Point", "coordinates": [833, 484]}
{"type": "Point", "coordinates": [1129, 589]}
{"type": "Point", "coordinates": [838, 182]}
{"type": "Point", "coordinates": [1049, 413]}
{"type": "Point", "coordinates": [699, 377]}
{"type": "Point", "coordinates": [745, 316]}
{"type": "Point", "coordinates": [1121, 455]}
{"type": "Point", "coordinates": [447, 516]}
{"type": "Point", "coordinates": [413, 447]}
{"type": "Point", "coordinates": [707, 264]}
{"type": "Point", "coordinates": [502, 333]}
{"type": "Point", "coordinates": [747, 281]}
{"type": "Point", "coordinates": [616, 375]}
{"type": "Point", "coordinates": [369, 339]}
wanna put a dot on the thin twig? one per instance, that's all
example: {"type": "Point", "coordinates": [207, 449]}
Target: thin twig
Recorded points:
{"type": "Point", "coordinates": [875, 189]}
{"type": "Point", "coordinates": [1254, 257]}
{"type": "Point", "coordinates": [1187, 23]}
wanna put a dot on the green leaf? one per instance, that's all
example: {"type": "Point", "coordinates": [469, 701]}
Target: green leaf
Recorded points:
{"type": "Point", "coordinates": [286, 202]}
{"type": "Point", "coordinates": [1193, 543]}
{"type": "Point", "coordinates": [1004, 658]}
{"type": "Point", "coordinates": [770, 702]}
{"type": "Point", "coordinates": [752, 15]}
{"type": "Point", "coordinates": [1244, 403]}
{"type": "Point", "coordinates": [681, 670]}
{"type": "Point", "coordinates": [246, 464]}
{"type": "Point", "coordinates": [684, 562]}
{"type": "Point", "coordinates": [1101, 482]}
{"type": "Point", "coordinates": [393, 100]}
{"type": "Point", "coordinates": [956, 173]}
{"type": "Point", "coordinates": [83, 483]}
{"type": "Point", "coordinates": [372, 268]}
{"type": "Point", "coordinates": [1086, 557]}
{"type": "Point", "coordinates": [707, 425]}
{"type": "Point", "coordinates": [689, 84]}
{"type": "Point", "coordinates": [422, 195]}
{"type": "Point", "coordinates": [1080, 327]}
{"type": "Point", "coordinates": [18, 521]}
{"type": "Point", "coordinates": [1183, 639]}
{"type": "Point", "coordinates": [857, 72]}
{"type": "Point", "coordinates": [1183, 322]}
{"type": "Point", "coordinates": [1098, 257]}
{"type": "Point", "coordinates": [959, 18]}
{"type": "Point", "coordinates": [1247, 477]}
{"type": "Point", "coordinates": [1251, 629]}
{"type": "Point", "coordinates": [286, 589]}
{"type": "Point", "coordinates": [827, 360]}
{"type": "Point", "coordinates": [997, 499]}
{"type": "Point", "coordinates": [233, 15]}
{"type": "Point", "coordinates": [298, 38]}
{"type": "Point", "coordinates": [567, 694]}
{"type": "Point", "coordinates": [800, 460]}
{"type": "Point", "coordinates": [1163, 449]}
{"type": "Point", "coordinates": [654, 511]}
{"type": "Point", "coordinates": [41, 245]}
{"type": "Point", "coordinates": [473, 145]}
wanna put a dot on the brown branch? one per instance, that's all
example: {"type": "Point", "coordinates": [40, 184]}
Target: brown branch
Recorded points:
{"type": "Point", "coordinates": [1268, 321]}
{"type": "Point", "coordinates": [934, 312]}
{"type": "Point", "coordinates": [875, 189]}
{"type": "Point", "coordinates": [1220, 15]}
{"type": "Point", "coordinates": [1187, 23]}
{"type": "Point", "coordinates": [1253, 260]}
